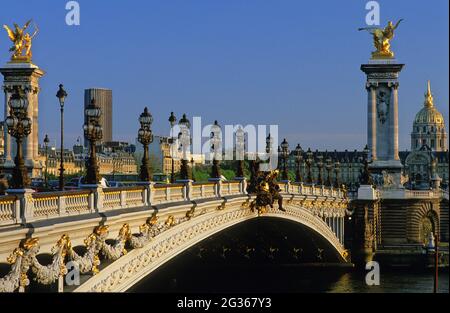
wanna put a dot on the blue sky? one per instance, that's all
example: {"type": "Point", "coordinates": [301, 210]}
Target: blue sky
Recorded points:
{"type": "Point", "coordinates": [286, 62]}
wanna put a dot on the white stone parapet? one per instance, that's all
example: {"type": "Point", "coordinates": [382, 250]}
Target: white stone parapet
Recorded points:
{"type": "Point", "coordinates": [24, 206]}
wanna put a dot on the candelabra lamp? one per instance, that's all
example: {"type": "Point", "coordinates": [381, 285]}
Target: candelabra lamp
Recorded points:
{"type": "Point", "coordinates": [240, 152]}
{"type": "Point", "coordinates": [172, 121]}
{"type": "Point", "coordinates": [215, 149]}
{"type": "Point", "coordinates": [185, 141]}
{"type": "Point", "coordinates": [309, 162]}
{"type": "Point", "coordinates": [93, 132]}
{"type": "Point", "coordinates": [329, 168]}
{"type": "Point", "coordinates": [285, 156]}
{"type": "Point", "coordinates": [337, 169]}
{"type": "Point", "coordinates": [19, 126]}
{"type": "Point", "coordinates": [145, 137]}
{"type": "Point", "coordinates": [298, 161]}
{"type": "Point", "coordinates": [319, 169]}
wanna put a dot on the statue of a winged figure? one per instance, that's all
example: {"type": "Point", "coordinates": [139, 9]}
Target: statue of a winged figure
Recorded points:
{"type": "Point", "coordinates": [381, 39]}
{"type": "Point", "coordinates": [21, 41]}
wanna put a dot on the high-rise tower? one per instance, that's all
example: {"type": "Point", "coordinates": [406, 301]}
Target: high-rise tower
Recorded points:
{"type": "Point", "coordinates": [103, 99]}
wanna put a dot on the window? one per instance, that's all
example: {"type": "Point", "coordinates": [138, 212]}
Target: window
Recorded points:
{"type": "Point", "coordinates": [432, 144]}
{"type": "Point", "coordinates": [417, 143]}
{"type": "Point", "coordinates": [424, 129]}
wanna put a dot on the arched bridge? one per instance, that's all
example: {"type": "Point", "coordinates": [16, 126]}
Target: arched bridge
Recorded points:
{"type": "Point", "coordinates": [116, 236]}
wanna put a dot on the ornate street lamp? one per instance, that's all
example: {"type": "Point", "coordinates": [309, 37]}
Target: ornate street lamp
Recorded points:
{"type": "Point", "coordinates": [320, 169]}
{"type": "Point", "coordinates": [337, 165]}
{"type": "Point", "coordinates": [46, 142]}
{"type": "Point", "coordinates": [285, 154]}
{"type": "Point", "coordinates": [365, 177]}
{"type": "Point", "coordinates": [215, 147]}
{"type": "Point", "coordinates": [240, 152]}
{"type": "Point", "coordinates": [269, 145]}
{"type": "Point", "coordinates": [19, 126]}
{"type": "Point", "coordinates": [61, 95]}
{"type": "Point", "coordinates": [309, 161]}
{"type": "Point", "coordinates": [185, 141]}
{"type": "Point", "coordinates": [298, 160]}
{"type": "Point", "coordinates": [145, 137]}
{"type": "Point", "coordinates": [172, 121]}
{"type": "Point", "coordinates": [328, 167]}
{"type": "Point", "coordinates": [93, 132]}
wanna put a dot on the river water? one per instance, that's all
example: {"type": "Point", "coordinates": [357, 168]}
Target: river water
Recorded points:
{"type": "Point", "coordinates": [286, 278]}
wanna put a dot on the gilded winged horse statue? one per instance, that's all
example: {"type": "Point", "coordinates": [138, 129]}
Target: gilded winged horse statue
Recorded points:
{"type": "Point", "coordinates": [381, 40]}
{"type": "Point", "coordinates": [21, 41]}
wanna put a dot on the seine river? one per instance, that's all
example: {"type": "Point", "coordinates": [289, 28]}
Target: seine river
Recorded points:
{"type": "Point", "coordinates": [287, 278]}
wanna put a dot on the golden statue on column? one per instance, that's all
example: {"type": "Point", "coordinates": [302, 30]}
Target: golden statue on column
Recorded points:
{"type": "Point", "coordinates": [381, 40]}
{"type": "Point", "coordinates": [21, 42]}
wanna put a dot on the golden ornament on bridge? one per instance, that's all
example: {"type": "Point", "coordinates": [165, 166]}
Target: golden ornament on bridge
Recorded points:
{"type": "Point", "coordinates": [21, 42]}
{"type": "Point", "coordinates": [381, 40]}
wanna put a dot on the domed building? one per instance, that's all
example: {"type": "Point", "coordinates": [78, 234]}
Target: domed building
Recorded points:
{"type": "Point", "coordinates": [429, 127]}
{"type": "Point", "coordinates": [427, 164]}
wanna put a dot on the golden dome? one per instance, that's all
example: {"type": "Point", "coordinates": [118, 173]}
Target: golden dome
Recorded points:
{"type": "Point", "coordinates": [429, 114]}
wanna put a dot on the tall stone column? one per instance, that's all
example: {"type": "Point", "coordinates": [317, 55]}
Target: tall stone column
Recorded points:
{"type": "Point", "coordinates": [371, 120]}
{"type": "Point", "coordinates": [382, 131]}
{"type": "Point", "coordinates": [25, 75]}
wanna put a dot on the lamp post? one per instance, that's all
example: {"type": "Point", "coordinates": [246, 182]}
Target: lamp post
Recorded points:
{"type": "Point", "coordinates": [93, 132]}
{"type": "Point", "coordinates": [328, 167]}
{"type": "Point", "coordinates": [285, 153]}
{"type": "Point", "coordinates": [215, 148]}
{"type": "Point", "coordinates": [172, 121]}
{"type": "Point", "coordinates": [185, 141]}
{"type": "Point", "coordinates": [309, 161]}
{"type": "Point", "coordinates": [61, 95]}
{"type": "Point", "coordinates": [46, 141]}
{"type": "Point", "coordinates": [337, 165]}
{"type": "Point", "coordinates": [298, 161]}
{"type": "Point", "coordinates": [320, 169]}
{"type": "Point", "coordinates": [269, 145]}
{"type": "Point", "coordinates": [145, 137]}
{"type": "Point", "coordinates": [240, 152]}
{"type": "Point", "coordinates": [19, 126]}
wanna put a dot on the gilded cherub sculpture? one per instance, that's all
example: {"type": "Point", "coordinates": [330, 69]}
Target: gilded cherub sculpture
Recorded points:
{"type": "Point", "coordinates": [21, 41]}
{"type": "Point", "coordinates": [381, 40]}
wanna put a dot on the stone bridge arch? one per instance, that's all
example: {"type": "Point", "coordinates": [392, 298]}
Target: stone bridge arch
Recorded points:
{"type": "Point", "coordinates": [129, 269]}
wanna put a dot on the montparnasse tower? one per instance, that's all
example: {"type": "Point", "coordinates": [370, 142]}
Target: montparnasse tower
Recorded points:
{"type": "Point", "coordinates": [429, 126]}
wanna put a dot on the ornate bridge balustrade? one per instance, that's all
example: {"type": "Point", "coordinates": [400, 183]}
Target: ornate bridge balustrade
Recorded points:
{"type": "Point", "coordinates": [116, 236]}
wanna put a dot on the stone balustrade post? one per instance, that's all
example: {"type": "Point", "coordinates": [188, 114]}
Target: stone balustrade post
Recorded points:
{"type": "Point", "coordinates": [91, 202]}
{"type": "Point", "coordinates": [17, 210]}
{"type": "Point", "coordinates": [149, 193]}
{"type": "Point", "coordinates": [25, 203]}
{"type": "Point", "coordinates": [61, 205]}
{"type": "Point", "coordinates": [167, 193]}
{"type": "Point", "coordinates": [242, 184]}
{"type": "Point", "coordinates": [123, 198]}
{"type": "Point", "coordinates": [99, 197]}
{"type": "Point", "coordinates": [188, 190]}
{"type": "Point", "coordinates": [217, 186]}
{"type": "Point", "coordinates": [287, 186]}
